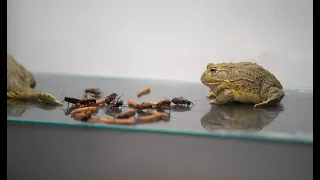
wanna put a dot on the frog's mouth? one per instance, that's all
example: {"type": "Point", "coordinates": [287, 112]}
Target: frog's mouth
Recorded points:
{"type": "Point", "coordinates": [212, 86]}
{"type": "Point", "coordinates": [215, 84]}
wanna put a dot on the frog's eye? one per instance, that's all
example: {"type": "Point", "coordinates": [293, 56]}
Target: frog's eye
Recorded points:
{"type": "Point", "coordinates": [213, 70]}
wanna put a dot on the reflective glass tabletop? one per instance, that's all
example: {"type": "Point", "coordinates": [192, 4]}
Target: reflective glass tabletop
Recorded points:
{"type": "Point", "coordinates": [292, 120]}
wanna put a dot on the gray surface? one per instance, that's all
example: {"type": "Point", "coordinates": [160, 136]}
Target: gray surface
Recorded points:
{"type": "Point", "coordinates": [295, 117]}
{"type": "Point", "coordinates": [44, 152]}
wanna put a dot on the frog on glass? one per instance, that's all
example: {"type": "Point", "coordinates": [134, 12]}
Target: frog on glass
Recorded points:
{"type": "Point", "coordinates": [243, 82]}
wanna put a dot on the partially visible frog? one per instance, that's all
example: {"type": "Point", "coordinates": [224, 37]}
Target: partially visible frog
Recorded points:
{"type": "Point", "coordinates": [243, 82]}
{"type": "Point", "coordinates": [20, 84]}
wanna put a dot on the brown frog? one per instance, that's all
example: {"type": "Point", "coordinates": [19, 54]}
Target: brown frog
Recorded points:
{"type": "Point", "coordinates": [243, 82]}
{"type": "Point", "coordinates": [21, 83]}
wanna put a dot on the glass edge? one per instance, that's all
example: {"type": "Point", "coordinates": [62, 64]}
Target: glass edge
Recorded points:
{"type": "Point", "coordinates": [228, 135]}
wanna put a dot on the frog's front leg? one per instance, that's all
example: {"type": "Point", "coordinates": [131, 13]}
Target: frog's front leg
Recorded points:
{"type": "Point", "coordinates": [223, 98]}
{"type": "Point", "coordinates": [274, 96]}
{"type": "Point", "coordinates": [211, 94]}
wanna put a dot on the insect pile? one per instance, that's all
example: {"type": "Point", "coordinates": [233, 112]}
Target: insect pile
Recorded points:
{"type": "Point", "coordinates": [86, 109]}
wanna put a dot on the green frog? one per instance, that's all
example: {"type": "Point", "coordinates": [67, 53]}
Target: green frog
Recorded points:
{"type": "Point", "coordinates": [20, 84]}
{"type": "Point", "coordinates": [243, 82]}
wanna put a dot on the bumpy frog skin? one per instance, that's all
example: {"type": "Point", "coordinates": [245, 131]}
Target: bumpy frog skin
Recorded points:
{"type": "Point", "coordinates": [244, 82]}
{"type": "Point", "coordinates": [20, 84]}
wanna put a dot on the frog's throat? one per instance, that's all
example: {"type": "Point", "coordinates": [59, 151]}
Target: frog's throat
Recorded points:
{"type": "Point", "coordinates": [213, 86]}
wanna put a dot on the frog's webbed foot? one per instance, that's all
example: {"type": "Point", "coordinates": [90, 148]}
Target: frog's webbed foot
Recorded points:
{"type": "Point", "coordinates": [211, 95]}
{"type": "Point", "coordinates": [274, 96]}
{"type": "Point", "coordinates": [223, 98]}
{"type": "Point", "coordinates": [33, 96]}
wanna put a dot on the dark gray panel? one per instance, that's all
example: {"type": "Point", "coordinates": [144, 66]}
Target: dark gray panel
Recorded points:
{"type": "Point", "coordinates": [49, 152]}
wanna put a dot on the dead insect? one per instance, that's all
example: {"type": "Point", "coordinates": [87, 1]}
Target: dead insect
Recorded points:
{"type": "Point", "coordinates": [179, 108]}
{"type": "Point", "coordinates": [87, 100]}
{"type": "Point", "coordinates": [71, 100]}
{"type": "Point", "coordinates": [126, 114]}
{"type": "Point", "coordinates": [143, 91]}
{"type": "Point", "coordinates": [111, 98]}
{"type": "Point", "coordinates": [112, 111]}
{"type": "Point", "coordinates": [95, 91]}
{"type": "Point", "coordinates": [163, 104]}
{"type": "Point", "coordinates": [181, 101]}
{"type": "Point", "coordinates": [118, 103]}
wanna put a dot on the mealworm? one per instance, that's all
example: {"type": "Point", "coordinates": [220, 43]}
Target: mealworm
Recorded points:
{"type": "Point", "coordinates": [85, 109]}
{"type": "Point", "coordinates": [156, 116]}
{"type": "Point", "coordinates": [163, 114]}
{"type": "Point", "coordinates": [131, 102]}
{"type": "Point", "coordinates": [126, 114]}
{"type": "Point", "coordinates": [139, 106]}
{"type": "Point", "coordinates": [143, 106]}
{"type": "Point", "coordinates": [93, 120]}
{"type": "Point", "coordinates": [153, 103]}
{"type": "Point", "coordinates": [82, 116]}
{"type": "Point", "coordinates": [100, 101]}
{"type": "Point", "coordinates": [112, 121]}
{"type": "Point", "coordinates": [93, 91]}
{"type": "Point", "coordinates": [143, 91]}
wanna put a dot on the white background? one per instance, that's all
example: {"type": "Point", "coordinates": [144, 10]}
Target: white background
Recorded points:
{"type": "Point", "coordinates": [166, 39]}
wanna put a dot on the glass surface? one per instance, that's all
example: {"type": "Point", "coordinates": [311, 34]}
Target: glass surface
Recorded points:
{"type": "Point", "coordinates": [290, 121]}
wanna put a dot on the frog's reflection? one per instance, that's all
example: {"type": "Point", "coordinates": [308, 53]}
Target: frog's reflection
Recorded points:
{"type": "Point", "coordinates": [17, 108]}
{"type": "Point", "coordinates": [239, 117]}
